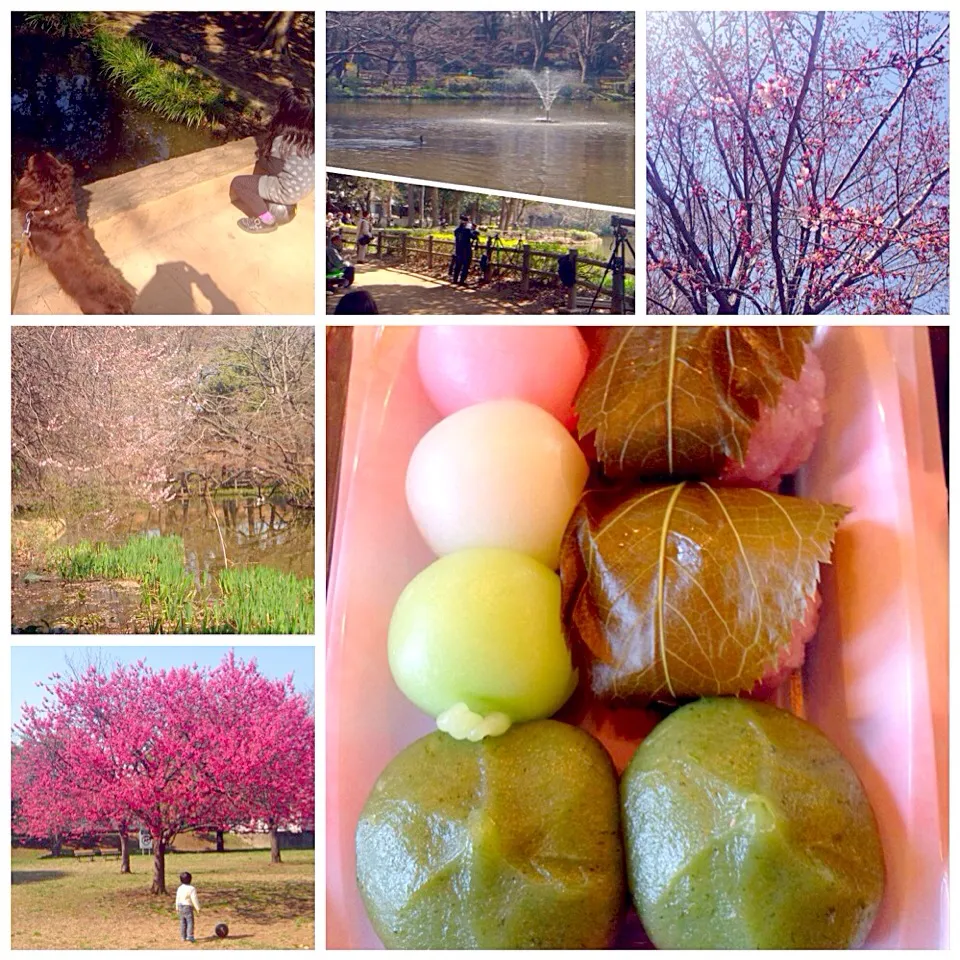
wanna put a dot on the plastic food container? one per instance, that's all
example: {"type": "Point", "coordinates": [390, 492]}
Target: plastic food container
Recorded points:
{"type": "Point", "coordinates": [875, 679]}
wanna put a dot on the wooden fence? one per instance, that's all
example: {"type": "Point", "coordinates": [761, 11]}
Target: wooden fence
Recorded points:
{"type": "Point", "coordinates": [506, 259]}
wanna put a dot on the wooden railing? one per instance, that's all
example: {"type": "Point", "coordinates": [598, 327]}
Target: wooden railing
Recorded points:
{"type": "Point", "coordinates": [505, 258]}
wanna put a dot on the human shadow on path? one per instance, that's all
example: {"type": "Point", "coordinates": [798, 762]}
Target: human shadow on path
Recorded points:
{"type": "Point", "coordinates": [169, 291]}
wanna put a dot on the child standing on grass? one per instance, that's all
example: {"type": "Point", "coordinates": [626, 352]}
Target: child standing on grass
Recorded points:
{"type": "Point", "coordinates": [187, 904]}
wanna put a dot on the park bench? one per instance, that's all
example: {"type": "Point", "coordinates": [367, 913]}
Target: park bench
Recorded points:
{"type": "Point", "coordinates": [335, 279]}
{"type": "Point", "coordinates": [84, 854]}
{"type": "Point", "coordinates": [109, 853]}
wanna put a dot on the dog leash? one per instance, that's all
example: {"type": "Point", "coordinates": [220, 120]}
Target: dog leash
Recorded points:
{"type": "Point", "coordinates": [24, 237]}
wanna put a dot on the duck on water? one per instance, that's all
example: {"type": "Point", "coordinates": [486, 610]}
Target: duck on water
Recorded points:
{"type": "Point", "coordinates": [362, 143]}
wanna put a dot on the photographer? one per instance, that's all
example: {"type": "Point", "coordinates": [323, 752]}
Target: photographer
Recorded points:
{"type": "Point", "coordinates": [464, 238]}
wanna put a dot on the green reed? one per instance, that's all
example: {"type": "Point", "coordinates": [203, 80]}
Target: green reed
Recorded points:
{"type": "Point", "coordinates": [167, 590]}
{"type": "Point", "coordinates": [177, 94]}
{"type": "Point", "coordinates": [265, 600]}
{"type": "Point", "coordinates": [253, 599]}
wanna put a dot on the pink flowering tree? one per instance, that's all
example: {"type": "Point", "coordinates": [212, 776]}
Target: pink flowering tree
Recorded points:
{"type": "Point", "coordinates": [165, 751]}
{"type": "Point", "coordinates": [265, 761]}
{"type": "Point", "coordinates": [797, 163]}
{"type": "Point", "coordinates": [45, 802]}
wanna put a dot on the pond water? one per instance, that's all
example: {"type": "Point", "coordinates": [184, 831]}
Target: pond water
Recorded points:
{"type": "Point", "coordinates": [585, 154]}
{"type": "Point", "coordinates": [272, 533]}
{"type": "Point", "coordinates": [602, 247]}
{"type": "Point", "coordinates": [62, 103]}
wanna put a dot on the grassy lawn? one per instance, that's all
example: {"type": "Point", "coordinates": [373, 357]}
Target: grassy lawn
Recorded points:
{"type": "Point", "coordinates": [88, 904]}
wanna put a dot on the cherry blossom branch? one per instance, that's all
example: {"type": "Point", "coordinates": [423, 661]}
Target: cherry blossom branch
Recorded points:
{"type": "Point", "coordinates": [777, 193]}
{"type": "Point", "coordinates": [884, 117]}
{"type": "Point", "coordinates": [904, 218]}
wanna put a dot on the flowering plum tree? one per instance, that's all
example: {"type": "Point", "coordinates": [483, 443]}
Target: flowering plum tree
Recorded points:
{"type": "Point", "coordinates": [797, 163]}
{"type": "Point", "coordinates": [166, 750]}
{"type": "Point", "coordinates": [45, 802]}
{"type": "Point", "coordinates": [265, 758]}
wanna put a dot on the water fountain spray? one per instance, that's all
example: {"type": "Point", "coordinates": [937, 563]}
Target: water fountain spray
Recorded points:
{"type": "Point", "coordinates": [548, 84]}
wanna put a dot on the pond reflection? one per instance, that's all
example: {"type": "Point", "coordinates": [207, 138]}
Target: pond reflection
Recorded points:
{"type": "Point", "coordinates": [247, 529]}
{"type": "Point", "coordinates": [61, 102]}
{"type": "Point", "coordinates": [586, 153]}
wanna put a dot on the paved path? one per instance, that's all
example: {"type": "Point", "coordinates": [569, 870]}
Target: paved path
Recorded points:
{"type": "Point", "coordinates": [172, 232]}
{"type": "Point", "coordinates": [398, 291]}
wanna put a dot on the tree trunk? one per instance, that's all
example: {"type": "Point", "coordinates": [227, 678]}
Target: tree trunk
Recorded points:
{"type": "Point", "coordinates": [220, 832]}
{"type": "Point", "coordinates": [275, 37]}
{"type": "Point", "coordinates": [159, 884]}
{"type": "Point", "coordinates": [435, 206]}
{"type": "Point", "coordinates": [274, 846]}
{"type": "Point", "coordinates": [411, 202]}
{"type": "Point", "coordinates": [584, 44]}
{"type": "Point", "coordinates": [124, 851]}
{"type": "Point", "coordinates": [56, 846]}
{"type": "Point", "coordinates": [518, 209]}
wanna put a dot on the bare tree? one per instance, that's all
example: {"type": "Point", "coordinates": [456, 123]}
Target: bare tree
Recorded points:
{"type": "Point", "coordinates": [121, 410]}
{"type": "Point", "coordinates": [545, 29]}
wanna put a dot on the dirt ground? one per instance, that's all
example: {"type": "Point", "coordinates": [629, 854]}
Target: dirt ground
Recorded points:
{"type": "Point", "coordinates": [417, 291]}
{"type": "Point", "coordinates": [88, 904]}
{"type": "Point", "coordinates": [399, 291]}
{"type": "Point", "coordinates": [226, 44]}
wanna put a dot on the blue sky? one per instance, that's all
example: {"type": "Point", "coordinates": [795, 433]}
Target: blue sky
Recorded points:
{"type": "Point", "coordinates": [35, 663]}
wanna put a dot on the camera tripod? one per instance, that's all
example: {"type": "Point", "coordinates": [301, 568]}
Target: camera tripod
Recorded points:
{"type": "Point", "coordinates": [508, 257]}
{"type": "Point", "coordinates": [617, 261]}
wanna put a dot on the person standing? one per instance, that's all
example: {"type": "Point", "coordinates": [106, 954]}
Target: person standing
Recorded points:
{"type": "Point", "coordinates": [187, 904]}
{"type": "Point", "coordinates": [364, 236]}
{"type": "Point", "coordinates": [463, 238]}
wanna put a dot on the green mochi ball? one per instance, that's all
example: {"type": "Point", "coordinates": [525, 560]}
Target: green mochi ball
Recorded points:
{"type": "Point", "coordinates": [511, 842]}
{"type": "Point", "coordinates": [746, 828]}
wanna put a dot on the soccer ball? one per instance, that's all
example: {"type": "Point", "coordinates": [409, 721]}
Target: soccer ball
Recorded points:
{"type": "Point", "coordinates": [221, 930]}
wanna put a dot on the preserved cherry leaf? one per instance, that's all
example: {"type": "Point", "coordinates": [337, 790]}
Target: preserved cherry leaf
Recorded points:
{"type": "Point", "coordinates": [688, 590]}
{"type": "Point", "coordinates": [682, 401]}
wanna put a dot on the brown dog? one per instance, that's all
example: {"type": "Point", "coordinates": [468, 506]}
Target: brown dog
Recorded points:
{"type": "Point", "coordinates": [65, 244]}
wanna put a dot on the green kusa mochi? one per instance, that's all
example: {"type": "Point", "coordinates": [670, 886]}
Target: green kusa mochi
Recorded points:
{"type": "Point", "coordinates": [512, 842]}
{"type": "Point", "coordinates": [746, 828]}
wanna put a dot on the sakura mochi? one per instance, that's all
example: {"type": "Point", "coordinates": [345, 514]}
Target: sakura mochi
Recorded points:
{"type": "Point", "coordinates": [460, 366]}
{"type": "Point", "coordinates": [504, 473]}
